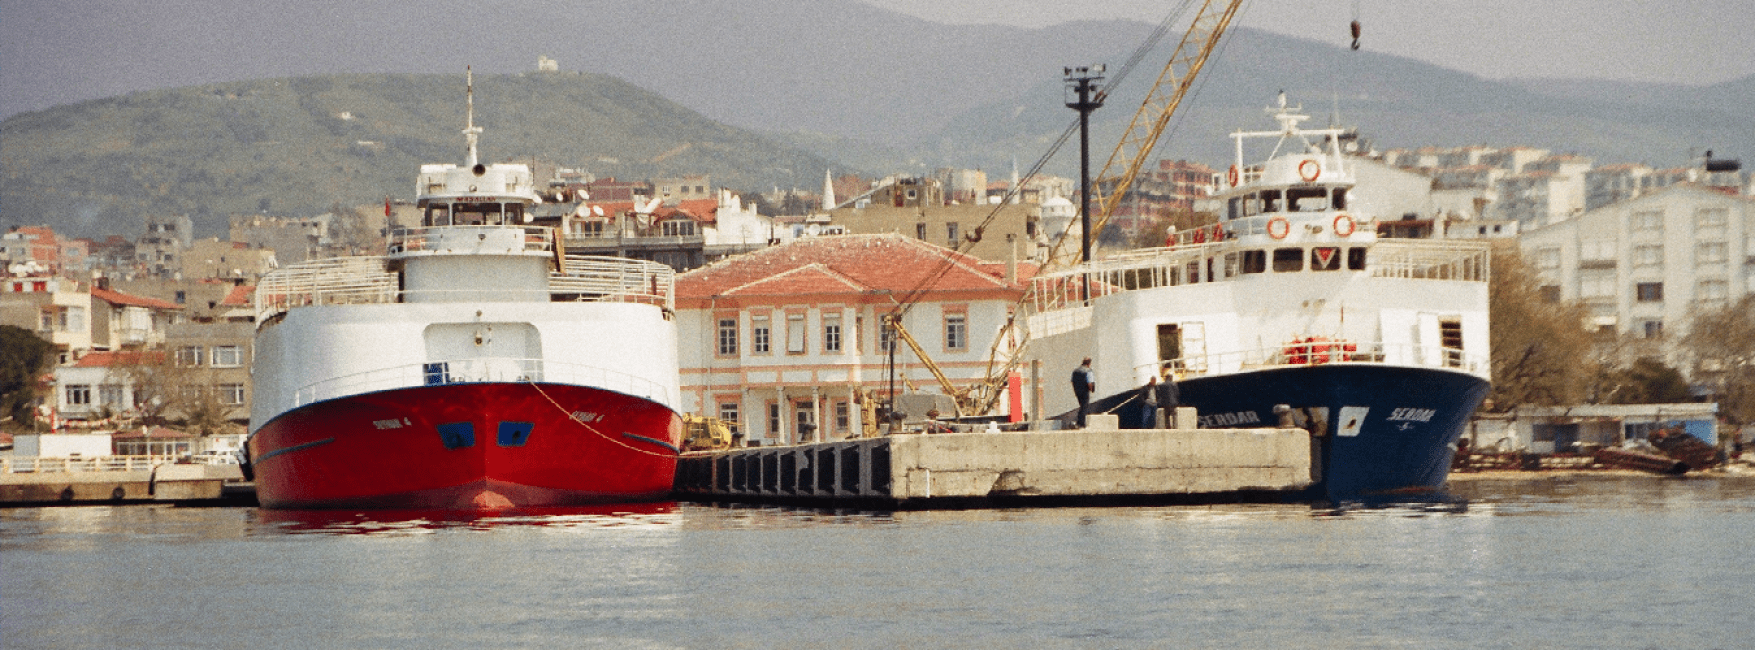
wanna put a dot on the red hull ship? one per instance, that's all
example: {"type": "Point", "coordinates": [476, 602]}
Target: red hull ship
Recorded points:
{"type": "Point", "coordinates": [475, 366]}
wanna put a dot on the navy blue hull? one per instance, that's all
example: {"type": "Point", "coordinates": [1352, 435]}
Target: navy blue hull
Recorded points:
{"type": "Point", "coordinates": [1381, 429]}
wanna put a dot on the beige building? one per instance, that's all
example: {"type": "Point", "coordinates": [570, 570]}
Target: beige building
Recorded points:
{"type": "Point", "coordinates": [1645, 266]}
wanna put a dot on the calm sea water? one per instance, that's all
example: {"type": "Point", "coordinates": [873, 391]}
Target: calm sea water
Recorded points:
{"type": "Point", "coordinates": [1549, 563]}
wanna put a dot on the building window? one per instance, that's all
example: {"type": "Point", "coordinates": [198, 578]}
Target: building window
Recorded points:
{"type": "Point", "coordinates": [231, 394]}
{"type": "Point", "coordinates": [1712, 291]}
{"type": "Point", "coordinates": [1596, 285]}
{"type": "Point", "coordinates": [1648, 255]}
{"type": "Point", "coordinates": [760, 334]}
{"type": "Point", "coordinates": [1711, 252]}
{"type": "Point", "coordinates": [190, 355]}
{"type": "Point", "coordinates": [920, 231]}
{"type": "Point", "coordinates": [795, 334]}
{"type": "Point", "coordinates": [727, 336]}
{"type": "Point", "coordinates": [728, 413]}
{"type": "Point", "coordinates": [228, 356]}
{"type": "Point", "coordinates": [1651, 292]}
{"type": "Point", "coordinates": [831, 333]}
{"type": "Point", "coordinates": [1547, 258]}
{"type": "Point", "coordinates": [1652, 329]}
{"type": "Point", "coordinates": [773, 419]}
{"type": "Point", "coordinates": [951, 235]}
{"type": "Point", "coordinates": [1711, 219]}
{"type": "Point", "coordinates": [1549, 293]}
{"type": "Point", "coordinates": [111, 395]}
{"type": "Point", "coordinates": [886, 336]}
{"type": "Point", "coordinates": [956, 332]}
{"type": "Point", "coordinates": [78, 394]}
{"type": "Point", "coordinates": [842, 416]}
{"type": "Point", "coordinates": [1596, 249]}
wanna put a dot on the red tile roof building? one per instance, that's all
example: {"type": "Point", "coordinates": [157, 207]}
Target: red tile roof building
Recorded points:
{"type": "Point", "coordinates": [788, 336]}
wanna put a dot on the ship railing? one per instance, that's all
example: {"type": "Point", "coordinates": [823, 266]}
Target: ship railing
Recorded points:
{"type": "Point", "coordinates": [365, 280]}
{"type": "Point", "coordinates": [334, 281]}
{"type": "Point", "coordinates": [483, 370]}
{"type": "Point", "coordinates": [1149, 268]}
{"type": "Point", "coordinates": [615, 279]}
{"type": "Point", "coordinates": [45, 465]}
{"type": "Point", "coordinates": [1322, 352]}
{"type": "Point", "coordinates": [443, 239]}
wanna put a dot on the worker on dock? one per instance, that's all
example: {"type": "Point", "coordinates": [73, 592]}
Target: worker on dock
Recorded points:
{"type": "Point", "coordinates": [1083, 383]}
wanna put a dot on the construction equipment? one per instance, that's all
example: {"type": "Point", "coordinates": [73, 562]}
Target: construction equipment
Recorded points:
{"type": "Point", "coordinates": [705, 433]}
{"type": "Point", "coordinates": [1173, 83]}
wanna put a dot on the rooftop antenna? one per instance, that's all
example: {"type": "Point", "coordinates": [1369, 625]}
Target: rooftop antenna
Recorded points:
{"type": "Point", "coordinates": [471, 132]}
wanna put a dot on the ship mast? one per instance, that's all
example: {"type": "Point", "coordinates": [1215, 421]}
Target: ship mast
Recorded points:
{"type": "Point", "coordinates": [471, 132]}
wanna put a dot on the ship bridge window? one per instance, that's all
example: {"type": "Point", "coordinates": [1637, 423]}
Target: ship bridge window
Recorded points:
{"type": "Point", "coordinates": [1325, 258]}
{"type": "Point", "coordinates": [1356, 258]}
{"type": "Point", "coordinates": [438, 214]}
{"type": "Point", "coordinates": [1270, 200]}
{"type": "Point", "coordinates": [1307, 199]}
{"type": "Point", "coordinates": [1340, 198]}
{"type": "Point", "coordinates": [1234, 208]}
{"type": "Point", "coordinates": [1254, 261]}
{"type": "Point", "coordinates": [486, 214]}
{"type": "Point", "coordinates": [1288, 260]}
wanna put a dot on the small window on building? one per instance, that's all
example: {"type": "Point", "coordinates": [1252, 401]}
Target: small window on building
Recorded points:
{"type": "Point", "coordinates": [956, 331]}
{"type": "Point", "coordinates": [228, 356]}
{"type": "Point", "coordinates": [920, 231]}
{"type": "Point", "coordinates": [78, 394]}
{"type": "Point", "coordinates": [1652, 329]}
{"type": "Point", "coordinates": [728, 412]}
{"type": "Point", "coordinates": [1550, 293]}
{"type": "Point", "coordinates": [795, 334]}
{"type": "Point", "coordinates": [231, 394]}
{"type": "Point", "coordinates": [190, 355]}
{"type": "Point", "coordinates": [951, 235]}
{"type": "Point", "coordinates": [1650, 291]}
{"type": "Point", "coordinates": [831, 333]}
{"type": "Point", "coordinates": [727, 336]}
{"type": "Point", "coordinates": [761, 335]}
{"type": "Point", "coordinates": [843, 416]}
{"type": "Point", "coordinates": [773, 418]}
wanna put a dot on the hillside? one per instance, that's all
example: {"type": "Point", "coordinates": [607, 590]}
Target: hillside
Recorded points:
{"type": "Point", "coordinates": [302, 145]}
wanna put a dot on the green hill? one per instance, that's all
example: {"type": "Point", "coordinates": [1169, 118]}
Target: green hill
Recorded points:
{"type": "Point", "coordinates": [299, 146]}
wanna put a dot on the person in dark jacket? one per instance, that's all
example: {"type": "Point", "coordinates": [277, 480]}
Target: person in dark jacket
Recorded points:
{"type": "Point", "coordinates": [1083, 382]}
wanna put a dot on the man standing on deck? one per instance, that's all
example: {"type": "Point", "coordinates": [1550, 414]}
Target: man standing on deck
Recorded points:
{"type": "Point", "coordinates": [1083, 382]}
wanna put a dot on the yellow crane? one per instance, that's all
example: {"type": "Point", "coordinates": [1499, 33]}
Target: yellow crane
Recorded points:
{"type": "Point", "coordinates": [1148, 123]}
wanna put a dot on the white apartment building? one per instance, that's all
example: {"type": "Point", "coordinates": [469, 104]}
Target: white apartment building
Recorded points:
{"type": "Point", "coordinates": [1647, 265]}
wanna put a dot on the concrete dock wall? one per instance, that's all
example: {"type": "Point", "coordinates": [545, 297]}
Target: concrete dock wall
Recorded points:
{"type": "Point", "coordinates": [45, 484]}
{"type": "Point", "coordinates": [1081, 463]}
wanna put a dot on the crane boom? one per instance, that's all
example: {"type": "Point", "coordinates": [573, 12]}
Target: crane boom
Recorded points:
{"type": "Point", "coordinates": [1147, 126]}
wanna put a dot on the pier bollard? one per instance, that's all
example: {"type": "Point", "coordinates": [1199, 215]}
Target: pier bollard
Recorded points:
{"type": "Point", "coordinates": [1187, 418]}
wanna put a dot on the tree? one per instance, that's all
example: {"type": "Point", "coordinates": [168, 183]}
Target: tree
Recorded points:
{"type": "Point", "coordinates": [1541, 349]}
{"type": "Point", "coordinates": [23, 357]}
{"type": "Point", "coordinates": [1721, 344]}
{"type": "Point", "coordinates": [171, 389]}
{"type": "Point", "coordinates": [1646, 381]}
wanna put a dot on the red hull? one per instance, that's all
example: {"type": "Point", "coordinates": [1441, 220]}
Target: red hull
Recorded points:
{"type": "Point", "coordinates": [468, 447]}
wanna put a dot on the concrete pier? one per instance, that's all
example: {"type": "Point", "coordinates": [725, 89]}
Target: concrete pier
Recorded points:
{"type": "Point", "coordinates": [48, 481]}
{"type": "Point", "coordinates": [925, 469]}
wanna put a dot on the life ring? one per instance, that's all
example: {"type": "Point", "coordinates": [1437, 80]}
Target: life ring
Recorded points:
{"type": "Point", "coordinates": [1200, 235]}
{"type": "Point", "coordinates": [1232, 176]}
{"type": "Point", "coordinates": [1309, 170]}
{"type": "Point", "coordinates": [1279, 227]}
{"type": "Point", "coordinates": [1344, 225]}
{"type": "Point", "coordinates": [1218, 232]}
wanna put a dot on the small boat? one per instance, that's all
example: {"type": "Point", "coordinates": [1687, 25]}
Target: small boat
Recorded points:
{"type": "Point", "coordinates": [1290, 309]}
{"type": "Point", "coordinates": [474, 366]}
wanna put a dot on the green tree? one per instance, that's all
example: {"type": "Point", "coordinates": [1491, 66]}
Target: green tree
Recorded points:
{"type": "Point", "coordinates": [23, 357]}
{"type": "Point", "coordinates": [1721, 343]}
{"type": "Point", "coordinates": [1541, 349]}
{"type": "Point", "coordinates": [1646, 381]}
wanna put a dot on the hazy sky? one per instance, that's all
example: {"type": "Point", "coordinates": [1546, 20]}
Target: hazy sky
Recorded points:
{"type": "Point", "coordinates": [60, 51]}
{"type": "Point", "coordinates": [1686, 41]}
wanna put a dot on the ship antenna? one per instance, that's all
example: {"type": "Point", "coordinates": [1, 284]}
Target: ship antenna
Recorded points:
{"type": "Point", "coordinates": [471, 132]}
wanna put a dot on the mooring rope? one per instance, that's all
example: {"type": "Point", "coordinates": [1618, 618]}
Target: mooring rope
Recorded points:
{"type": "Point", "coordinates": [574, 417]}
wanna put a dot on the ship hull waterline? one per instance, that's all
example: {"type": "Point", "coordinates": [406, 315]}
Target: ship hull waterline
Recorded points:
{"type": "Point", "coordinates": [477, 446]}
{"type": "Point", "coordinates": [1382, 431]}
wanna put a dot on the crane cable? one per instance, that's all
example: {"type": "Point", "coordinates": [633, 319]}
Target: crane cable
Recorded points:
{"type": "Point", "coordinates": [913, 296]}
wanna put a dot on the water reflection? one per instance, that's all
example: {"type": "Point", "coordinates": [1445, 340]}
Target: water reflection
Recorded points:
{"type": "Point", "coordinates": [418, 522]}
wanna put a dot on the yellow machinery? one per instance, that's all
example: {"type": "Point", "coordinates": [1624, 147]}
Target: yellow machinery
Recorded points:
{"type": "Point", "coordinates": [705, 433]}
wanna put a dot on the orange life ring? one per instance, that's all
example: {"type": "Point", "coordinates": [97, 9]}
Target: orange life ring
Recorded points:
{"type": "Point", "coordinates": [1232, 176]}
{"type": "Point", "coordinates": [1344, 225]}
{"type": "Point", "coordinates": [1218, 232]}
{"type": "Point", "coordinates": [1309, 170]}
{"type": "Point", "coordinates": [1284, 227]}
{"type": "Point", "coordinates": [1200, 236]}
